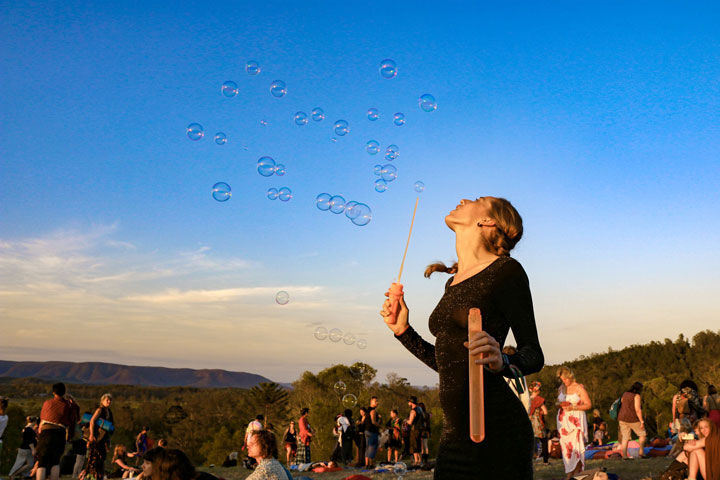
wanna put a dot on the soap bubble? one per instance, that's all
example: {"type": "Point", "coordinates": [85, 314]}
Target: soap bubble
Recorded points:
{"type": "Point", "coordinates": [272, 193]}
{"type": "Point", "coordinates": [388, 69]}
{"type": "Point", "coordinates": [350, 210]}
{"type": "Point", "coordinates": [427, 103]}
{"type": "Point", "coordinates": [322, 201]}
{"type": "Point", "coordinates": [318, 114]}
{"type": "Point", "coordinates": [321, 333]}
{"type": "Point", "coordinates": [282, 297]}
{"type": "Point", "coordinates": [221, 192]}
{"type": "Point", "coordinates": [349, 338]}
{"type": "Point", "coordinates": [419, 186]}
{"type": "Point", "coordinates": [357, 368]}
{"type": "Point", "coordinates": [380, 185]}
{"type": "Point", "coordinates": [399, 468]}
{"type": "Point", "coordinates": [377, 170]}
{"type": "Point", "coordinates": [284, 194]}
{"type": "Point", "coordinates": [334, 140]}
{"type": "Point", "coordinates": [337, 204]}
{"type": "Point", "coordinates": [220, 138]}
{"type": "Point", "coordinates": [229, 89]}
{"type": "Point", "coordinates": [399, 119]}
{"type": "Point", "coordinates": [373, 114]}
{"type": "Point", "coordinates": [252, 67]}
{"type": "Point", "coordinates": [349, 400]}
{"type": "Point", "coordinates": [341, 128]}
{"type": "Point", "coordinates": [279, 169]}
{"type": "Point", "coordinates": [372, 147]}
{"type": "Point", "coordinates": [362, 344]}
{"type": "Point", "coordinates": [195, 131]}
{"type": "Point", "coordinates": [335, 335]}
{"type": "Point", "coordinates": [363, 215]}
{"type": "Point", "coordinates": [266, 166]}
{"type": "Point", "coordinates": [392, 152]}
{"type": "Point", "coordinates": [339, 387]}
{"type": "Point", "coordinates": [263, 123]}
{"type": "Point", "coordinates": [301, 118]}
{"type": "Point", "coordinates": [278, 88]}
{"type": "Point", "coordinates": [389, 173]}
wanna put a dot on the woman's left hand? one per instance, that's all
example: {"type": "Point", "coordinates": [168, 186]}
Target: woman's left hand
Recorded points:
{"type": "Point", "coordinates": [482, 343]}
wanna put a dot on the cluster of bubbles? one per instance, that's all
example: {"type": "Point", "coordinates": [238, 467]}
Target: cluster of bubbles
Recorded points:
{"type": "Point", "coordinates": [358, 213]}
{"type": "Point", "coordinates": [284, 194]}
{"type": "Point", "coordinates": [221, 192]}
{"type": "Point", "coordinates": [335, 335]}
{"type": "Point", "coordinates": [282, 297]}
{"type": "Point", "coordinates": [267, 167]}
{"type": "Point", "coordinates": [317, 114]}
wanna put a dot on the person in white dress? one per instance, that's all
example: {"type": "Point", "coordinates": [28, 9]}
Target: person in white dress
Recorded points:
{"type": "Point", "coordinates": [573, 402]}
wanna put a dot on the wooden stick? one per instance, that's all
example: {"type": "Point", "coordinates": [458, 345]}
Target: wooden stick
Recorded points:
{"type": "Point", "coordinates": [477, 393]}
{"type": "Point", "coordinates": [412, 222]}
{"type": "Point", "coordinates": [396, 288]}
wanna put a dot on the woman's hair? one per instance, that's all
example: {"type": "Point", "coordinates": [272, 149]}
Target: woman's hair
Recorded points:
{"type": "Point", "coordinates": [105, 395]}
{"type": "Point", "coordinates": [266, 442]}
{"type": "Point", "coordinates": [596, 412]}
{"type": "Point", "coordinates": [119, 452]}
{"type": "Point", "coordinates": [303, 411]}
{"type": "Point", "coordinates": [689, 384]}
{"type": "Point", "coordinates": [499, 240]}
{"type": "Point", "coordinates": [636, 388]}
{"type": "Point", "coordinates": [152, 454]}
{"type": "Point", "coordinates": [554, 434]}
{"type": "Point", "coordinates": [565, 372]}
{"type": "Point", "coordinates": [172, 464]}
{"type": "Point", "coordinates": [712, 390]}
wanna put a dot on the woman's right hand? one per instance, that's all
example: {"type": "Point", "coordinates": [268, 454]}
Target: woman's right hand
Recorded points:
{"type": "Point", "coordinates": [401, 322]}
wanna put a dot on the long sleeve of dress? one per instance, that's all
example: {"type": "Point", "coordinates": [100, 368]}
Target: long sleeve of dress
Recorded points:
{"type": "Point", "coordinates": [422, 349]}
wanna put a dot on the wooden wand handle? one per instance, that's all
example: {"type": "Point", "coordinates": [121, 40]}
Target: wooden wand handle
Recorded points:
{"type": "Point", "coordinates": [477, 394]}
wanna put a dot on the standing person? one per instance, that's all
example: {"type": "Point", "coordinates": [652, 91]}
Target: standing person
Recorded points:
{"type": "Point", "coordinates": [289, 441]}
{"type": "Point", "coordinates": [538, 410]}
{"type": "Point", "coordinates": [425, 436]}
{"type": "Point", "coordinates": [372, 432]}
{"type": "Point", "coordinates": [360, 439]}
{"type": "Point", "coordinates": [3, 419]}
{"type": "Point", "coordinates": [254, 426]}
{"type": "Point", "coordinates": [26, 452]}
{"type": "Point", "coordinates": [631, 419]}
{"type": "Point", "coordinates": [394, 445]}
{"type": "Point", "coordinates": [416, 420]}
{"type": "Point", "coordinates": [686, 403]}
{"type": "Point", "coordinates": [711, 403]}
{"type": "Point", "coordinates": [79, 448]}
{"type": "Point", "coordinates": [306, 433]}
{"type": "Point", "coordinates": [99, 440]}
{"type": "Point", "coordinates": [573, 401]}
{"type": "Point", "coordinates": [344, 426]}
{"type": "Point", "coordinates": [141, 443]}
{"type": "Point", "coordinates": [485, 277]}
{"type": "Point", "coordinates": [57, 424]}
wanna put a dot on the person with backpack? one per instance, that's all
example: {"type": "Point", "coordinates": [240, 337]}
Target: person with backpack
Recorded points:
{"type": "Point", "coordinates": [686, 403]}
{"type": "Point", "coordinates": [631, 419]}
{"type": "Point", "coordinates": [416, 420]}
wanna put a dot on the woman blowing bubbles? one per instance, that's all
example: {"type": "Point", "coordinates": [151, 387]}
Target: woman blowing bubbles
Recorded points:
{"type": "Point", "coordinates": [486, 278]}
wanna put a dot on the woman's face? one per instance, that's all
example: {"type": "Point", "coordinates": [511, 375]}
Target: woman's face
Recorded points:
{"type": "Point", "coordinates": [253, 448]}
{"type": "Point", "coordinates": [567, 381]}
{"type": "Point", "coordinates": [469, 213]}
{"type": "Point", "coordinates": [704, 429]}
{"type": "Point", "coordinates": [106, 401]}
{"type": "Point", "coordinates": [147, 469]}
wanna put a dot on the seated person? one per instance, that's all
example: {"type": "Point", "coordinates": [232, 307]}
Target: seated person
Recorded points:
{"type": "Point", "coordinates": [554, 445]}
{"type": "Point", "coordinates": [704, 454]}
{"type": "Point", "coordinates": [120, 468]}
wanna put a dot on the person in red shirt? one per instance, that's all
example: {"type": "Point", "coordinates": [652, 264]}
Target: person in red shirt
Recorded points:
{"type": "Point", "coordinates": [57, 425]}
{"type": "Point", "coordinates": [306, 433]}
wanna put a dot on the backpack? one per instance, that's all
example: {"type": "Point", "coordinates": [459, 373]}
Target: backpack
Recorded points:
{"type": "Point", "coordinates": [683, 404]}
{"type": "Point", "coordinates": [615, 408]}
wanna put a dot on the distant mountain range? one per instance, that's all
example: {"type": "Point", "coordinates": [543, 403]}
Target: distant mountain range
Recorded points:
{"type": "Point", "coordinates": [98, 373]}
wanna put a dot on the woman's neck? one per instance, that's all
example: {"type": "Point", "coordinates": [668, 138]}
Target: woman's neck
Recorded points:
{"type": "Point", "coordinates": [471, 252]}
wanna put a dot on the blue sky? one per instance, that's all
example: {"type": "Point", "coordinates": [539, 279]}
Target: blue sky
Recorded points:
{"type": "Point", "coordinates": [599, 121]}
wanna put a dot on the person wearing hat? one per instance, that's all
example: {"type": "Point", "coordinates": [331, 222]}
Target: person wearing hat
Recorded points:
{"type": "Point", "coordinates": [538, 410]}
{"type": "Point", "coordinates": [416, 420]}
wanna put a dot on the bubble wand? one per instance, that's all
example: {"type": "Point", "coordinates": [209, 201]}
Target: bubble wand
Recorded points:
{"type": "Point", "coordinates": [396, 288]}
{"type": "Point", "coordinates": [477, 394]}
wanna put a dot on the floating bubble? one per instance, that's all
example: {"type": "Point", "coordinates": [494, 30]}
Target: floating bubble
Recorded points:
{"type": "Point", "coordinates": [380, 185]}
{"type": "Point", "coordinates": [399, 119]}
{"type": "Point", "coordinates": [377, 170]}
{"type": "Point", "coordinates": [322, 201]}
{"type": "Point", "coordinates": [229, 89]}
{"type": "Point", "coordinates": [334, 140]}
{"type": "Point", "coordinates": [263, 123]}
{"type": "Point", "coordinates": [357, 368]}
{"type": "Point", "coordinates": [272, 193]}
{"type": "Point", "coordinates": [335, 335]}
{"type": "Point", "coordinates": [339, 387]}
{"type": "Point", "coordinates": [389, 173]}
{"type": "Point", "coordinates": [301, 118]}
{"type": "Point", "coordinates": [252, 67]}
{"type": "Point", "coordinates": [321, 333]}
{"type": "Point", "coordinates": [392, 152]}
{"type": "Point", "coordinates": [373, 114]}
{"type": "Point", "coordinates": [195, 131]}
{"type": "Point", "coordinates": [362, 344]}
{"type": "Point", "coordinates": [362, 213]}
{"type": "Point", "coordinates": [318, 114]}
{"type": "Point", "coordinates": [349, 400]}
{"type": "Point", "coordinates": [279, 169]}
{"type": "Point", "coordinates": [284, 194]}
{"type": "Point", "coordinates": [341, 128]}
{"type": "Point", "coordinates": [220, 138]}
{"type": "Point", "coordinates": [337, 204]}
{"type": "Point", "coordinates": [427, 103]}
{"type": "Point", "coordinates": [278, 88]}
{"type": "Point", "coordinates": [221, 192]}
{"type": "Point", "coordinates": [399, 468]}
{"type": "Point", "coordinates": [388, 69]}
{"type": "Point", "coordinates": [266, 166]}
{"type": "Point", "coordinates": [349, 338]}
{"type": "Point", "coordinates": [372, 147]}
{"type": "Point", "coordinates": [350, 210]}
{"type": "Point", "coordinates": [282, 297]}
{"type": "Point", "coordinates": [419, 186]}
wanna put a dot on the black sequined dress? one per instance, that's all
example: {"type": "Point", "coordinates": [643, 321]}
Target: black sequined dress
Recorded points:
{"type": "Point", "coordinates": [502, 293]}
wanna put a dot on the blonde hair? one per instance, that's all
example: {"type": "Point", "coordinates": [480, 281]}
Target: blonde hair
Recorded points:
{"type": "Point", "coordinates": [499, 240]}
{"type": "Point", "coordinates": [106, 395]}
{"type": "Point", "coordinates": [565, 372]}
